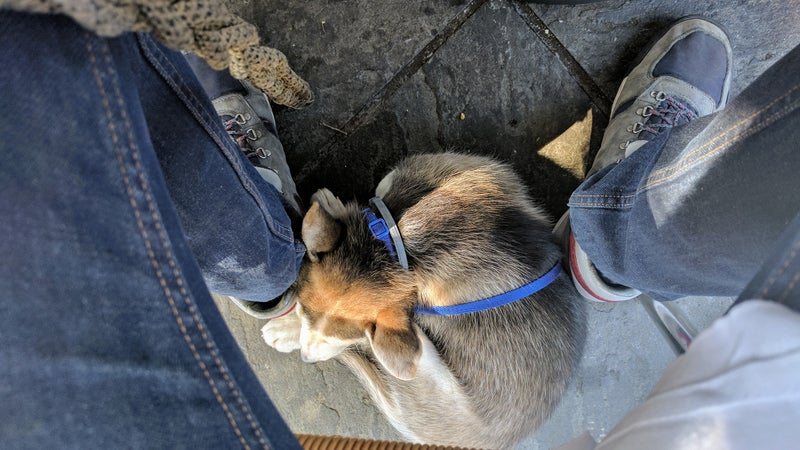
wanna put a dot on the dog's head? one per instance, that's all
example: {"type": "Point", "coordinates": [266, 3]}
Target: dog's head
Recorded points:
{"type": "Point", "coordinates": [350, 292]}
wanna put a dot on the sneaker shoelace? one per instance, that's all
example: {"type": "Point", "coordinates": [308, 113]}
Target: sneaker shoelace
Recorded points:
{"type": "Point", "coordinates": [234, 126]}
{"type": "Point", "coordinates": [668, 113]}
{"type": "Point", "coordinates": [260, 157]}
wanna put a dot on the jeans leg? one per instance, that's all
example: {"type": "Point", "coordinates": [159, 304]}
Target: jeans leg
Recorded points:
{"type": "Point", "coordinates": [233, 220]}
{"type": "Point", "coordinates": [108, 335]}
{"type": "Point", "coordinates": [697, 211]}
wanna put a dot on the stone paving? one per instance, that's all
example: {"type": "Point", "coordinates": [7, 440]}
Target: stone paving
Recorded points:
{"type": "Point", "coordinates": [527, 83]}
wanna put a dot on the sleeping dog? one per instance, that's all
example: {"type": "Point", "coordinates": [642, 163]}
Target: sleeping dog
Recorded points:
{"type": "Point", "coordinates": [445, 297]}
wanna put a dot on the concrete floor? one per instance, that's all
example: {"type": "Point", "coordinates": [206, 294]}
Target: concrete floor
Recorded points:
{"type": "Point", "coordinates": [529, 84]}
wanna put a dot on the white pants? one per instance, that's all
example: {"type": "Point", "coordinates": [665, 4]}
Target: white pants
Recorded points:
{"type": "Point", "coordinates": [737, 387]}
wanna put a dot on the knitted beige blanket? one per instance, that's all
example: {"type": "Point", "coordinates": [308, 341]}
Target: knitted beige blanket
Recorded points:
{"type": "Point", "coordinates": [205, 27]}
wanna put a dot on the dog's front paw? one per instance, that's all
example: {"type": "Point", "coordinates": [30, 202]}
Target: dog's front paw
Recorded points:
{"type": "Point", "coordinates": [283, 333]}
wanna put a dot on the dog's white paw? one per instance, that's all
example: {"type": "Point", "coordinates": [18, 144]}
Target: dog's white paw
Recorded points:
{"type": "Point", "coordinates": [283, 333]}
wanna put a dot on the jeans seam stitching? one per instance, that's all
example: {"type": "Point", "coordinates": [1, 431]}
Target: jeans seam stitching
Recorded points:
{"type": "Point", "coordinates": [790, 287]}
{"type": "Point", "coordinates": [589, 201]}
{"type": "Point", "coordinates": [606, 195]}
{"type": "Point", "coordinates": [600, 205]}
{"type": "Point", "coordinates": [682, 168]}
{"type": "Point", "coordinates": [144, 233]}
{"type": "Point", "coordinates": [235, 162]}
{"type": "Point", "coordinates": [771, 282]}
{"type": "Point", "coordinates": [719, 136]}
{"type": "Point", "coordinates": [187, 299]}
{"type": "Point", "coordinates": [730, 129]}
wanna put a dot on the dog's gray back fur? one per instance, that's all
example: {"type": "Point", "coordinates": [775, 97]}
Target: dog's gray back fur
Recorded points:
{"type": "Point", "coordinates": [468, 223]}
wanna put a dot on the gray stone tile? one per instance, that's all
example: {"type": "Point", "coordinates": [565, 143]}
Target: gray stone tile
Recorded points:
{"type": "Point", "coordinates": [605, 37]}
{"type": "Point", "coordinates": [492, 89]}
{"type": "Point", "coordinates": [360, 46]}
{"type": "Point", "coordinates": [624, 357]}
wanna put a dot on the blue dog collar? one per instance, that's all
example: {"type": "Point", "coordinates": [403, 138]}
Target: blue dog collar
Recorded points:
{"type": "Point", "coordinates": [493, 302]}
{"type": "Point", "coordinates": [385, 230]}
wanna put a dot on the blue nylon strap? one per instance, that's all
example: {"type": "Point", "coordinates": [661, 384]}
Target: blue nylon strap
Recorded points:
{"type": "Point", "coordinates": [379, 230]}
{"type": "Point", "coordinates": [493, 302]}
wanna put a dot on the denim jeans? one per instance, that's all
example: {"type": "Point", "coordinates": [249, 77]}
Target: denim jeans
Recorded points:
{"type": "Point", "coordinates": [123, 200]}
{"type": "Point", "coordinates": [711, 209]}
{"type": "Point", "coordinates": [697, 211]}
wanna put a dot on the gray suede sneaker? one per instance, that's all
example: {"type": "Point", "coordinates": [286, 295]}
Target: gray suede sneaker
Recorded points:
{"type": "Point", "coordinates": [249, 121]}
{"type": "Point", "coordinates": [686, 74]}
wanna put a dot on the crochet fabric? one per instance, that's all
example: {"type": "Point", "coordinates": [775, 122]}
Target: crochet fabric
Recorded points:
{"type": "Point", "coordinates": [205, 27]}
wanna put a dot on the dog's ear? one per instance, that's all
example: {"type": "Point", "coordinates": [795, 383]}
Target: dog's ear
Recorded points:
{"type": "Point", "coordinates": [320, 231]}
{"type": "Point", "coordinates": [395, 343]}
{"type": "Point", "coordinates": [330, 203]}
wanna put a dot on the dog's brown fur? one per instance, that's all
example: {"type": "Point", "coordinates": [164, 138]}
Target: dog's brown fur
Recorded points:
{"type": "Point", "coordinates": [483, 379]}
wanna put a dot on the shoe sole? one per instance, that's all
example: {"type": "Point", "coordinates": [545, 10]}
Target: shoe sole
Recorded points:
{"type": "Point", "coordinates": [588, 281]}
{"type": "Point", "coordinates": [584, 275]}
{"type": "Point", "coordinates": [284, 307]}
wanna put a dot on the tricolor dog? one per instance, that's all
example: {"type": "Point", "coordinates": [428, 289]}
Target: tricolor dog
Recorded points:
{"type": "Point", "coordinates": [445, 297]}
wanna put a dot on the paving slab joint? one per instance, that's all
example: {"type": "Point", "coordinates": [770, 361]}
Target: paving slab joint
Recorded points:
{"type": "Point", "coordinates": [372, 106]}
{"type": "Point", "coordinates": [576, 71]}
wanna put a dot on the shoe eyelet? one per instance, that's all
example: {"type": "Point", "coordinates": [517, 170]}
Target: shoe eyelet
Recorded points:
{"type": "Point", "coordinates": [636, 128]}
{"type": "Point", "coordinates": [240, 119]}
{"type": "Point", "coordinates": [658, 95]}
{"type": "Point", "coordinates": [647, 111]}
{"type": "Point", "coordinates": [262, 153]}
{"type": "Point", "coordinates": [251, 134]}
{"type": "Point", "coordinates": [624, 145]}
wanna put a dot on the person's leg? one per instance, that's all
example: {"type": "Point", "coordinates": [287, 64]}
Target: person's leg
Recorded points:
{"type": "Point", "coordinates": [234, 221]}
{"type": "Point", "coordinates": [694, 212]}
{"type": "Point", "coordinates": [737, 385]}
{"type": "Point", "coordinates": [108, 335]}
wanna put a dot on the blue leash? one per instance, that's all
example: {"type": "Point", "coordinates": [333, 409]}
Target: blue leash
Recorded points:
{"type": "Point", "coordinates": [493, 302]}
{"type": "Point", "coordinates": [385, 230]}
